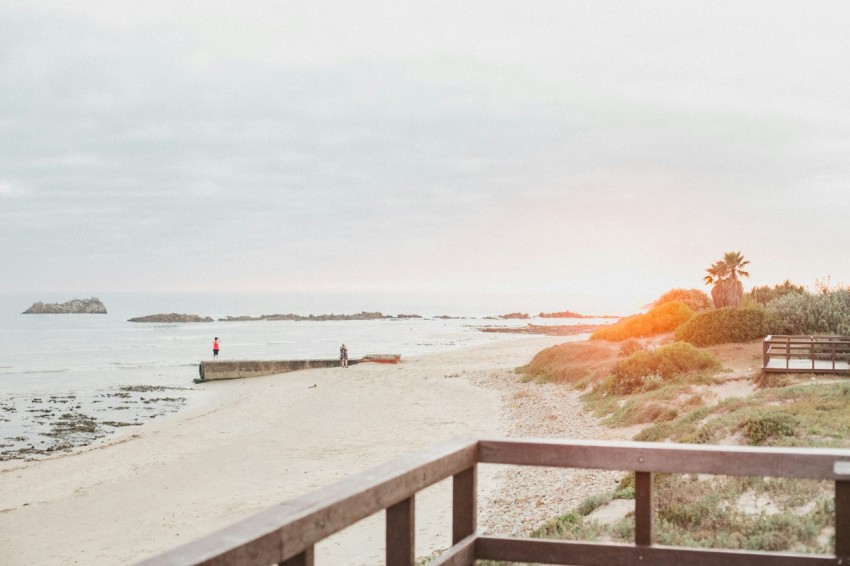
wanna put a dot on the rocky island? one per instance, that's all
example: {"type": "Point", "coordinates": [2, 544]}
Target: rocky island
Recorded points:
{"type": "Point", "coordinates": [515, 315]}
{"type": "Point", "coordinates": [171, 317]}
{"type": "Point", "coordinates": [74, 306]}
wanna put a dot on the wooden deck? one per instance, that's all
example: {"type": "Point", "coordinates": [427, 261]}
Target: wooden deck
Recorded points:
{"type": "Point", "coordinates": [806, 354]}
{"type": "Point", "coordinates": [286, 533]}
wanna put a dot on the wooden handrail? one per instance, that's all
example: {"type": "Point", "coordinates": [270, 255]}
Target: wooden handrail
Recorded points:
{"type": "Point", "coordinates": [290, 529]}
{"type": "Point", "coordinates": [806, 354]}
{"type": "Point", "coordinates": [286, 533]}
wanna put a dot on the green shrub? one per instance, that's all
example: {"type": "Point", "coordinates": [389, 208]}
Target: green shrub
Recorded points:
{"type": "Point", "coordinates": [730, 324]}
{"type": "Point", "coordinates": [759, 428]}
{"type": "Point", "coordinates": [826, 313]}
{"type": "Point", "coordinates": [765, 293]}
{"type": "Point", "coordinates": [696, 299]}
{"type": "Point", "coordinates": [631, 346]}
{"type": "Point", "coordinates": [661, 318]}
{"type": "Point", "coordinates": [650, 368]}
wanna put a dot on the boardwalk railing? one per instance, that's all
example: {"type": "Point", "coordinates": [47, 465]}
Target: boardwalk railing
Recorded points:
{"type": "Point", "coordinates": [285, 534]}
{"type": "Point", "coordinates": [806, 354]}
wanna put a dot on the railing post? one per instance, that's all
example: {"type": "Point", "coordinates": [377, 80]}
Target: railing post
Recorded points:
{"type": "Point", "coordinates": [464, 504]}
{"type": "Point", "coordinates": [303, 559]}
{"type": "Point", "coordinates": [812, 351]}
{"type": "Point", "coordinates": [401, 533]}
{"type": "Point", "coordinates": [842, 519]}
{"type": "Point", "coordinates": [644, 507]}
{"type": "Point", "coordinates": [765, 346]}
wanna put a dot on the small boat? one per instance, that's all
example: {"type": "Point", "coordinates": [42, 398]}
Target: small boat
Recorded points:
{"type": "Point", "coordinates": [381, 358]}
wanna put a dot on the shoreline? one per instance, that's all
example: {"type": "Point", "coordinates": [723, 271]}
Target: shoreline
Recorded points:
{"type": "Point", "coordinates": [256, 442]}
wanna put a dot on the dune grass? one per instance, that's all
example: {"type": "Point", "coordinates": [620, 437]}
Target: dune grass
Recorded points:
{"type": "Point", "coordinates": [722, 512]}
{"type": "Point", "coordinates": [777, 514]}
{"type": "Point", "coordinates": [801, 415]}
{"type": "Point", "coordinates": [577, 364]}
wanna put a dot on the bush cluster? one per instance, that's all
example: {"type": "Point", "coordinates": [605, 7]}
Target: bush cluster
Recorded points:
{"type": "Point", "coordinates": [729, 324]}
{"type": "Point", "coordinates": [651, 368]}
{"type": "Point", "coordinates": [765, 293]}
{"type": "Point", "coordinates": [826, 313]}
{"type": "Point", "coordinates": [630, 346]}
{"type": "Point", "coordinates": [759, 428]}
{"type": "Point", "coordinates": [695, 299]}
{"type": "Point", "coordinates": [660, 318]}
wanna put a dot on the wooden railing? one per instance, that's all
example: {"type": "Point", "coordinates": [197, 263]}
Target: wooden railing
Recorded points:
{"type": "Point", "coordinates": [806, 354]}
{"type": "Point", "coordinates": [286, 533]}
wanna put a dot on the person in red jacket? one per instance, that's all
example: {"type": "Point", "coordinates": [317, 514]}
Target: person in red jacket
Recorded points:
{"type": "Point", "coordinates": [215, 347]}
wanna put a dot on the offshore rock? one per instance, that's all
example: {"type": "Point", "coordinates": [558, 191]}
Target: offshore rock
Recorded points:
{"type": "Point", "coordinates": [74, 306]}
{"type": "Point", "coordinates": [171, 317]}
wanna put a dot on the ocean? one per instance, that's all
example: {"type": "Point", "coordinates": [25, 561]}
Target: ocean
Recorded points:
{"type": "Point", "coordinates": [66, 380]}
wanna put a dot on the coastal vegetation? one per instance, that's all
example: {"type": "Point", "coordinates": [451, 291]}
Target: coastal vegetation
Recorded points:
{"type": "Point", "coordinates": [788, 413]}
{"type": "Point", "coordinates": [734, 513]}
{"type": "Point", "coordinates": [716, 512]}
{"type": "Point", "coordinates": [665, 317]}
{"type": "Point", "coordinates": [785, 308]}
{"type": "Point", "coordinates": [646, 370]}
{"type": "Point", "coordinates": [827, 312]}
{"type": "Point", "coordinates": [663, 383]}
{"type": "Point", "coordinates": [696, 299]}
{"type": "Point", "coordinates": [765, 293]}
{"type": "Point", "coordinates": [574, 363]}
{"type": "Point", "coordinates": [729, 324]}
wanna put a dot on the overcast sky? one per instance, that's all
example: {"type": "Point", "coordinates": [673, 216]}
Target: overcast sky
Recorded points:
{"type": "Point", "coordinates": [581, 155]}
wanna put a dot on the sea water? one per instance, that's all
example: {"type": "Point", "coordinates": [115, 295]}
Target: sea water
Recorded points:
{"type": "Point", "coordinates": [68, 379]}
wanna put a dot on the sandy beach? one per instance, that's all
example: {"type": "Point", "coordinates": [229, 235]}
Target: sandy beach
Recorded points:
{"type": "Point", "coordinates": [258, 441]}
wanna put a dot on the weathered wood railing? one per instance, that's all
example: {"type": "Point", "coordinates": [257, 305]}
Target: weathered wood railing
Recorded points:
{"type": "Point", "coordinates": [286, 533]}
{"type": "Point", "coordinates": [806, 354]}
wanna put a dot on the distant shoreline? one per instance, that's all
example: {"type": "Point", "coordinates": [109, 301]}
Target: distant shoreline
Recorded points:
{"type": "Point", "coordinates": [364, 315]}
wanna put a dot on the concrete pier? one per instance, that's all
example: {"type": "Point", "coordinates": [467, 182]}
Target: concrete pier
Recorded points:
{"type": "Point", "coordinates": [235, 369]}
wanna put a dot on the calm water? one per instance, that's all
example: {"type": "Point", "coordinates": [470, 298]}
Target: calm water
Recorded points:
{"type": "Point", "coordinates": [96, 369]}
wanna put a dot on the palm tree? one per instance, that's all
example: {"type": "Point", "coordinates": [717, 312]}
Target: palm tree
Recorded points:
{"type": "Point", "coordinates": [734, 261]}
{"type": "Point", "coordinates": [716, 273]}
{"type": "Point", "coordinates": [726, 288]}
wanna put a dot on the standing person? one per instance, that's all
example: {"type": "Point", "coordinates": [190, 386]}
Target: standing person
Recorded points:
{"type": "Point", "coordinates": [343, 356]}
{"type": "Point", "coordinates": [215, 347]}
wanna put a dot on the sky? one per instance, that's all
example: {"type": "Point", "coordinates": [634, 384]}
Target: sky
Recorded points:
{"type": "Point", "coordinates": [531, 155]}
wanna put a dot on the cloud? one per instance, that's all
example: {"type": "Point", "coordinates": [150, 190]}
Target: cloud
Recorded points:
{"type": "Point", "coordinates": [532, 147]}
{"type": "Point", "coordinates": [7, 190]}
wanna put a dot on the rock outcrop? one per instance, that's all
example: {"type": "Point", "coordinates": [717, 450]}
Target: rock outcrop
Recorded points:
{"type": "Point", "coordinates": [171, 317]}
{"type": "Point", "coordinates": [74, 306]}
